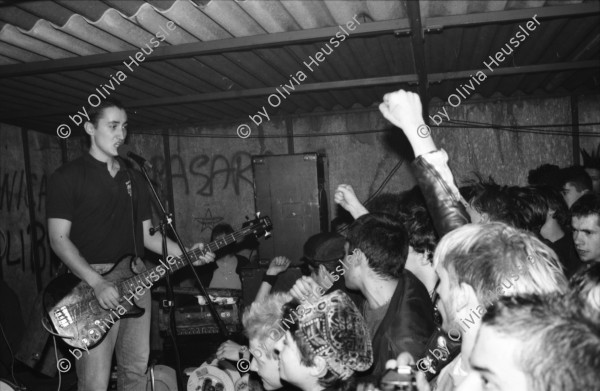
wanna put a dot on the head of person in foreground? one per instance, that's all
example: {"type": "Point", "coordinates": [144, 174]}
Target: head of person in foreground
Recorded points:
{"type": "Point", "coordinates": [585, 223]}
{"type": "Point", "coordinates": [535, 343]}
{"type": "Point", "coordinates": [324, 343]}
{"type": "Point", "coordinates": [260, 320]}
{"type": "Point", "coordinates": [478, 263]}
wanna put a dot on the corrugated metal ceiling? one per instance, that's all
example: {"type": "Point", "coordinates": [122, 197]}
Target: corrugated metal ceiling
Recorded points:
{"type": "Point", "coordinates": [253, 52]}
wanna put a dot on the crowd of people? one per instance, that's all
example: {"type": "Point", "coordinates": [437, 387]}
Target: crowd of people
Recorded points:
{"type": "Point", "coordinates": [482, 287]}
{"type": "Point", "coordinates": [477, 287]}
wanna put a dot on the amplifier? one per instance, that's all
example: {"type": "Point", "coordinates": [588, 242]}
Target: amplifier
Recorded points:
{"type": "Point", "coordinates": [204, 330]}
{"type": "Point", "coordinates": [192, 318]}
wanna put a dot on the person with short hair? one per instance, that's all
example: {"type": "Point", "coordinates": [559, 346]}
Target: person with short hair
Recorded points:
{"type": "Point", "coordinates": [545, 175]}
{"type": "Point", "coordinates": [98, 211]}
{"type": "Point", "coordinates": [476, 263]}
{"type": "Point", "coordinates": [493, 202]}
{"type": "Point", "coordinates": [260, 326]}
{"type": "Point", "coordinates": [409, 208]}
{"type": "Point", "coordinates": [534, 343]}
{"type": "Point", "coordinates": [225, 272]}
{"type": "Point", "coordinates": [325, 342]}
{"type": "Point", "coordinates": [585, 223]}
{"type": "Point", "coordinates": [545, 213]}
{"type": "Point", "coordinates": [397, 307]}
{"type": "Point", "coordinates": [575, 182]}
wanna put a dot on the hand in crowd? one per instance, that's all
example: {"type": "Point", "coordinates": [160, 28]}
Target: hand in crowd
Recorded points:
{"type": "Point", "coordinates": [229, 350]}
{"type": "Point", "coordinates": [204, 259]}
{"type": "Point", "coordinates": [345, 197]}
{"type": "Point", "coordinates": [323, 277]}
{"type": "Point", "coordinates": [403, 109]}
{"type": "Point", "coordinates": [278, 265]}
{"type": "Point", "coordinates": [107, 294]}
{"type": "Point", "coordinates": [306, 289]}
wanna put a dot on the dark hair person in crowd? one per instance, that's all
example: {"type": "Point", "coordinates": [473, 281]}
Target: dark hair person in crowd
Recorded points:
{"type": "Point", "coordinates": [585, 223]}
{"type": "Point", "coordinates": [476, 263]}
{"type": "Point", "coordinates": [574, 182]}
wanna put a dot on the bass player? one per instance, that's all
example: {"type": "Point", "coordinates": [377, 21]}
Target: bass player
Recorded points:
{"type": "Point", "coordinates": [98, 211]}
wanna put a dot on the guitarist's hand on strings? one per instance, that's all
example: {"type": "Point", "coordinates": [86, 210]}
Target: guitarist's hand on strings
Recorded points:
{"type": "Point", "coordinates": [203, 259]}
{"type": "Point", "coordinates": [106, 292]}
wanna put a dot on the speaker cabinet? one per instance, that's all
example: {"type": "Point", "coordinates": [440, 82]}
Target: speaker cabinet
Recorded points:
{"type": "Point", "coordinates": [292, 190]}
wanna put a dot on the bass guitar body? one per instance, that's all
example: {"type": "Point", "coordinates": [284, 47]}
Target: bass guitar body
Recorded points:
{"type": "Point", "coordinates": [76, 314]}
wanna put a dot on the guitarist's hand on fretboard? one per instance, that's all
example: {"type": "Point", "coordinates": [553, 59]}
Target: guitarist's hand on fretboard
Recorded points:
{"type": "Point", "coordinates": [200, 260]}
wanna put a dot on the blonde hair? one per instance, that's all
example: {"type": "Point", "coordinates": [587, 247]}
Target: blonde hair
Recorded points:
{"type": "Point", "coordinates": [262, 317]}
{"type": "Point", "coordinates": [491, 256]}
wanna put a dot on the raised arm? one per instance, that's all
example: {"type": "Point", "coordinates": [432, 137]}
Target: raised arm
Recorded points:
{"type": "Point", "coordinates": [430, 168]}
{"type": "Point", "coordinates": [345, 197]}
{"type": "Point", "coordinates": [278, 265]}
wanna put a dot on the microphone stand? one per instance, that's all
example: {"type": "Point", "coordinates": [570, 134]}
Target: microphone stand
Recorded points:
{"type": "Point", "coordinates": [167, 221]}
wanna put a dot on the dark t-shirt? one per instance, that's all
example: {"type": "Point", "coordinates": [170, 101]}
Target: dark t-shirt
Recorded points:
{"type": "Point", "coordinates": [99, 208]}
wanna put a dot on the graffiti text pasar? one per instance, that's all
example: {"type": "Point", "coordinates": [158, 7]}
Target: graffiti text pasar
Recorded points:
{"type": "Point", "coordinates": [209, 169]}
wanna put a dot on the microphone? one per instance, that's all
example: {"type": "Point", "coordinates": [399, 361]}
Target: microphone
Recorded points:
{"type": "Point", "coordinates": [125, 151]}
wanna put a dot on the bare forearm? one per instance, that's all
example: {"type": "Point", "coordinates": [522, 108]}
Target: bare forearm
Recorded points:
{"type": "Point", "coordinates": [154, 243]}
{"type": "Point", "coordinates": [69, 254]}
{"type": "Point", "coordinates": [263, 291]}
{"type": "Point", "coordinates": [420, 145]}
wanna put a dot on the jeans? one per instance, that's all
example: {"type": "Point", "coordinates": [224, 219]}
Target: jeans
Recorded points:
{"type": "Point", "coordinates": [130, 338]}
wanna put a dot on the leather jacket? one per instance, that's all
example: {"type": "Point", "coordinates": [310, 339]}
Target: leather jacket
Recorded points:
{"type": "Point", "coordinates": [406, 326]}
{"type": "Point", "coordinates": [446, 206]}
{"type": "Point", "coordinates": [447, 209]}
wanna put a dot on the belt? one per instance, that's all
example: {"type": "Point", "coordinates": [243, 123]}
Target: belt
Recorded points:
{"type": "Point", "coordinates": [102, 267]}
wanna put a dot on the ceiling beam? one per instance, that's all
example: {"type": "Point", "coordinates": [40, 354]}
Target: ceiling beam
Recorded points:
{"type": "Point", "coordinates": [548, 12]}
{"type": "Point", "coordinates": [418, 51]}
{"type": "Point", "coordinates": [504, 71]}
{"type": "Point", "coordinates": [325, 86]}
{"type": "Point", "coordinates": [294, 37]}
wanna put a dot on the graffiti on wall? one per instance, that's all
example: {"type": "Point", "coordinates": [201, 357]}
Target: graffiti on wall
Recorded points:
{"type": "Point", "coordinates": [16, 244]}
{"type": "Point", "coordinates": [13, 190]}
{"type": "Point", "coordinates": [16, 239]}
{"type": "Point", "coordinates": [231, 171]}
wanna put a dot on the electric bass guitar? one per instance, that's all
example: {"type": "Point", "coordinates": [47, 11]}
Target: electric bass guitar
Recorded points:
{"type": "Point", "coordinates": [76, 314]}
